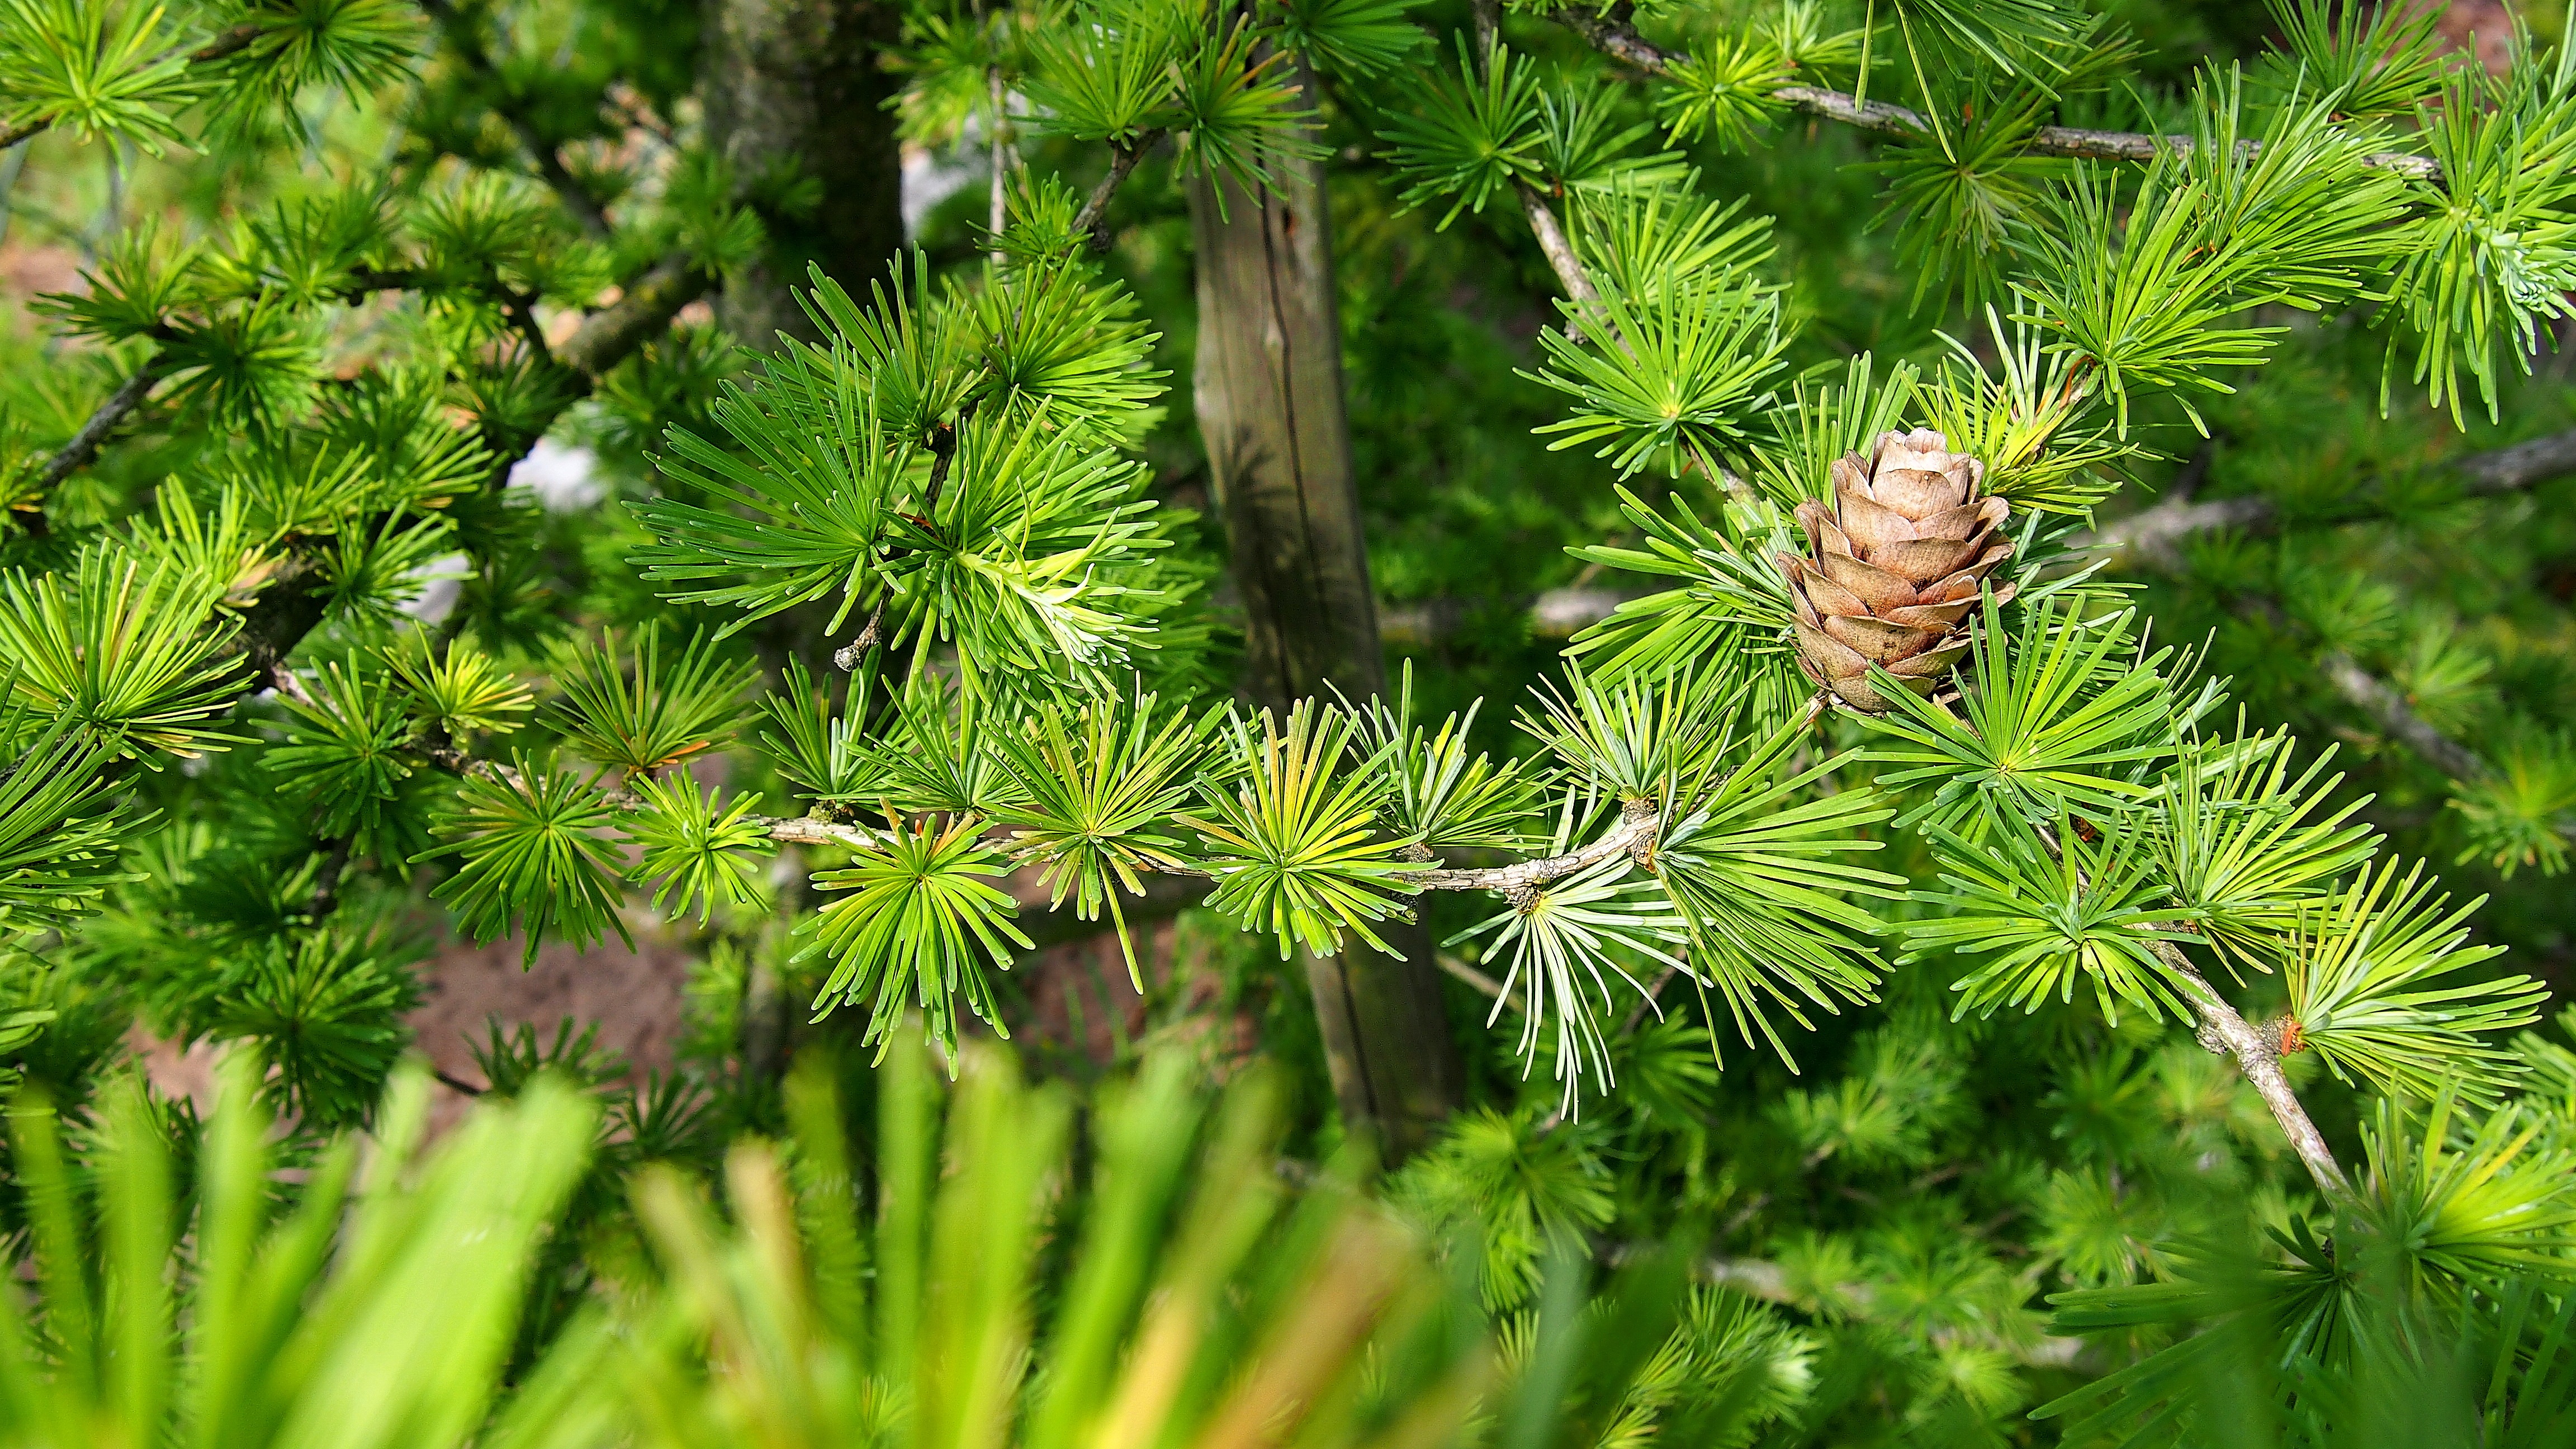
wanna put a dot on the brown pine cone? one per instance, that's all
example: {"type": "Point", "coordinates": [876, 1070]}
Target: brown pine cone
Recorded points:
{"type": "Point", "coordinates": [1893, 568]}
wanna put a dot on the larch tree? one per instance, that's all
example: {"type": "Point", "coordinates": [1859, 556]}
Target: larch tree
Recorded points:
{"type": "Point", "coordinates": [1820, 360]}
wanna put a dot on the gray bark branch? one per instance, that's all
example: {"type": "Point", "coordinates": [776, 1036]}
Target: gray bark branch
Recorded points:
{"type": "Point", "coordinates": [2386, 706]}
{"type": "Point", "coordinates": [1093, 220]}
{"type": "Point", "coordinates": [120, 405]}
{"type": "Point", "coordinates": [2152, 537]}
{"type": "Point", "coordinates": [610, 335]}
{"type": "Point", "coordinates": [2224, 1029]}
{"type": "Point", "coordinates": [1552, 241]}
{"type": "Point", "coordinates": [1613, 35]}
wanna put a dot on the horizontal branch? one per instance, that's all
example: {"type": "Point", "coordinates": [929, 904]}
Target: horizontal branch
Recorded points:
{"type": "Point", "coordinates": [2149, 538]}
{"type": "Point", "coordinates": [805, 830]}
{"type": "Point", "coordinates": [1553, 614]}
{"type": "Point", "coordinates": [1614, 35]}
{"type": "Point", "coordinates": [1634, 838]}
{"type": "Point", "coordinates": [1770, 1282]}
{"type": "Point", "coordinates": [2504, 470]}
{"type": "Point", "coordinates": [2152, 537]}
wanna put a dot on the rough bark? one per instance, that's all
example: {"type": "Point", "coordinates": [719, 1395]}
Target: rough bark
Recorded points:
{"type": "Point", "coordinates": [801, 82]}
{"type": "Point", "coordinates": [1270, 407]}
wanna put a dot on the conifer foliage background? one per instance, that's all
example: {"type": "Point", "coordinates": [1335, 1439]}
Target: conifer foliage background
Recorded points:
{"type": "Point", "coordinates": [2112, 1012]}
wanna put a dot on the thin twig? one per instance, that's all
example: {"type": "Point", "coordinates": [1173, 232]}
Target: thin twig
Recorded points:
{"type": "Point", "coordinates": [1654, 993]}
{"type": "Point", "coordinates": [521, 308]}
{"type": "Point", "coordinates": [326, 882]}
{"type": "Point", "coordinates": [1093, 219]}
{"type": "Point", "coordinates": [1561, 259]}
{"type": "Point", "coordinates": [290, 606]}
{"type": "Point", "coordinates": [2225, 1031]}
{"type": "Point", "coordinates": [1484, 985]}
{"type": "Point", "coordinates": [291, 685]}
{"type": "Point", "coordinates": [120, 404]}
{"type": "Point", "coordinates": [2151, 538]}
{"type": "Point", "coordinates": [998, 149]}
{"type": "Point", "coordinates": [1552, 240]}
{"type": "Point", "coordinates": [1634, 837]}
{"type": "Point", "coordinates": [2389, 708]}
{"type": "Point", "coordinates": [2382, 702]}
{"type": "Point", "coordinates": [1614, 35]}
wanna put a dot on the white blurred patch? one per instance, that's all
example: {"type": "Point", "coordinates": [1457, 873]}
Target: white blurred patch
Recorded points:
{"type": "Point", "coordinates": [443, 582]}
{"type": "Point", "coordinates": [931, 177]}
{"type": "Point", "coordinates": [564, 480]}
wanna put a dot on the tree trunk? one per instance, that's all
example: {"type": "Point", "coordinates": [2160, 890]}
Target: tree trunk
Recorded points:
{"type": "Point", "coordinates": [1270, 408]}
{"type": "Point", "coordinates": [798, 82]}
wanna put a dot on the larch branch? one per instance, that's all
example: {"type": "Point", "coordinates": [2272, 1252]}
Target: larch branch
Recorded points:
{"type": "Point", "coordinates": [1614, 35]}
{"type": "Point", "coordinates": [1552, 240]}
{"type": "Point", "coordinates": [576, 198]}
{"type": "Point", "coordinates": [2224, 1029]}
{"type": "Point", "coordinates": [226, 43]}
{"type": "Point", "coordinates": [2150, 537]}
{"type": "Point", "coordinates": [121, 404]}
{"type": "Point", "coordinates": [1634, 838]}
{"type": "Point", "coordinates": [1093, 219]}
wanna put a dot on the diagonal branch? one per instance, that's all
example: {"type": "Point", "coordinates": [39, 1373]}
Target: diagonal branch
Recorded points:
{"type": "Point", "coordinates": [610, 335]}
{"type": "Point", "coordinates": [292, 605]}
{"type": "Point", "coordinates": [1093, 220]}
{"type": "Point", "coordinates": [1613, 33]}
{"type": "Point", "coordinates": [1552, 240]}
{"type": "Point", "coordinates": [76, 454]}
{"type": "Point", "coordinates": [2385, 705]}
{"type": "Point", "coordinates": [1561, 259]}
{"type": "Point", "coordinates": [2224, 1029]}
{"type": "Point", "coordinates": [603, 340]}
